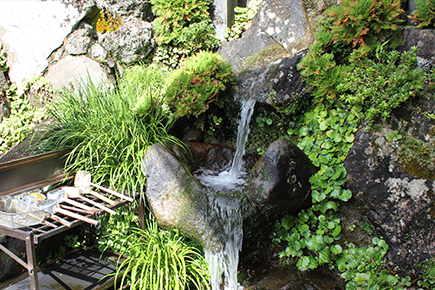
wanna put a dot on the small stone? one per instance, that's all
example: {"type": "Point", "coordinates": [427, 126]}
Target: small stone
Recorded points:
{"type": "Point", "coordinates": [98, 52]}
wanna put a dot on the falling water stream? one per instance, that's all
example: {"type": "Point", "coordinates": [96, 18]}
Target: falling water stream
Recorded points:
{"type": "Point", "coordinates": [226, 211]}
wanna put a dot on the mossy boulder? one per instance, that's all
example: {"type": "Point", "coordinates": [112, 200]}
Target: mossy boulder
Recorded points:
{"type": "Point", "coordinates": [391, 174]}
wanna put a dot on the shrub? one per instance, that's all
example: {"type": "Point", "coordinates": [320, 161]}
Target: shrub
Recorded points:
{"type": "Point", "coordinates": [361, 26]}
{"type": "Point", "coordinates": [198, 82]}
{"type": "Point", "coordinates": [158, 259]}
{"type": "Point", "coordinates": [367, 22]}
{"type": "Point", "coordinates": [382, 84]}
{"type": "Point", "coordinates": [425, 13]}
{"type": "Point", "coordinates": [183, 27]}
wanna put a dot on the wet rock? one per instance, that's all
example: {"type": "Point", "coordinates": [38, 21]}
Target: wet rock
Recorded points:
{"type": "Point", "coordinates": [272, 26]}
{"type": "Point", "coordinates": [179, 201]}
{"type": "Point", "coordinates": [290, 278]}
{"type": "Point", "coordinates": [278, 186]}
{"type": "Point", "coordinates": [193, 136]}
{"type": "Point", "coordinates": [131, 42]}
{"type": "Point", "coordinates": [281, 177]}
{"type": "Point", "coordinates": [72, 70]}
{"type": "Point", "coordinates": [392, 179]}
{"type": "Point", "coordinates": [288, 84]}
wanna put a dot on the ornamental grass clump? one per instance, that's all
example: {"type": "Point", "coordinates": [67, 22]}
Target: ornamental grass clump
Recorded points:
{"type": "Point", "coordinates": [199, 81]}
{"type": "Point", "coordinates": [159, 259]}
{"type": "Point", "coordinates": [105, 135]}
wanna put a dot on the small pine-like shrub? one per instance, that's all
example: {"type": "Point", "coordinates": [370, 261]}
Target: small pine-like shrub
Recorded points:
{"type": "Point", "coordinates": [182, 28]}
{"type": "Point", "coordinates": [198, 82]}
{"type": "Point", "coordinates": [367, 22]}
{"type": "Point", "coordinates": [425, 13]}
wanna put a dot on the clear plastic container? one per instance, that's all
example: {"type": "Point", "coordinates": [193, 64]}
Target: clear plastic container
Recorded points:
{"type": "Point", "coordinates": [15, 213]}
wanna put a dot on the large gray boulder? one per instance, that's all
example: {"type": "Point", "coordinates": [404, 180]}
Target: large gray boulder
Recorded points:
{"type": "Point", "coordinates": [179, 201]}
{"type": "Point", "coordinates": [391, 174]}
{"type": "Point", "coordinates": [32, 30]}
{"type": "Point", "coordinates": [278, 186]}
{"type": "Point", "coordinates": [73, 71]}
{"type": "Point", "coordinates": [280, 23]}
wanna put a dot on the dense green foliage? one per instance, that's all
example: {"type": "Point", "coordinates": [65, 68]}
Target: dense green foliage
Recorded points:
{"type": "Point", "coordinates": [3, 59]}
{"type": "Point", "coordinates": [383, 83]}
{"type": "Point", "coordinates": [158, 259]}
{"type": "Point", "coordinates": [147, 85]}
{"type": "Point", "coordinates": [199, 81]}
{"type": "Point", "coordinates": [425, 13]}
{"type": "Point", "coordinates": [24, 115]}
{"type": "Point", "coordinates": [350, 32]}
{"type": "Point", "coordinates": [106, 137]}
{"type": "Point", "coordinates": [242, 20]}
{"type": "Point", "coordinates": [183, 27]}
{"type": "Point", "coordinates": [427, 279]}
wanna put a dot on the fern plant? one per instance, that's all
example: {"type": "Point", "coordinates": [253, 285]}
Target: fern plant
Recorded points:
{"type": "Point", "coordinates": [198, 82]}
{"type": "Point", "coordinates": [367, 22]}
{"type": "Point", "coordinates": [425, 13]}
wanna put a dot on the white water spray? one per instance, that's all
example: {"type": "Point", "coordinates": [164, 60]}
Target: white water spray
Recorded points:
{"type": "Point", "coordinates": [226, 212]}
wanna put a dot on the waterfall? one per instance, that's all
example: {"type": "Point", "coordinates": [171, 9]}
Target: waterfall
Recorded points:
{"type": "Point", "coordinates": [225, 260]}
{"type": "Point", "coordinates": [225, 213]}
{"type": "Point", "coordinates": [242, 136]}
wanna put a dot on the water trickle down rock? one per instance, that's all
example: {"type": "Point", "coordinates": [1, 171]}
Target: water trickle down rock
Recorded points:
{"type": "Point", "coordinates": [179, 201]}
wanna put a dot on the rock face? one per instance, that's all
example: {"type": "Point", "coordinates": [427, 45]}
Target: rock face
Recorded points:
{"type": "Point", "coordinates": [288, 84]}
{"type": "Point", "coordinates": [131, 42]}
{"type": "Point", "coordinates": [41, 33]}
{"type": "Point", "coordinates": [31, 32]}
{"type": "Point", "coordinates": [70, 70]}
{"type": "Point", "coordinates": [391, 175]}
{"type": "Point", "coordinates": [271, 26]}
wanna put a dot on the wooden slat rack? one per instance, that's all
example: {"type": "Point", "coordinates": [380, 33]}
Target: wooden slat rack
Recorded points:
{"type": "Point", "coordinates": [33, 173]}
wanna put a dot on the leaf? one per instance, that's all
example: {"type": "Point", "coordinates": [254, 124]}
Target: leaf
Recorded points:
{"type": "Point", "coordinates": [303, 228]}
{"type": "Point", "coordinates": [328, 205]}
{"type": "Point", "coordinates": [350, 138]}
{"type": "Point", "coordinates": [324, 255]}
{"type": "Point", "coordinates": [336, 231]}
{"type": "Point", "coordinates": [336, 249]}
{"type": "Point", "coordinates": [345, 195]}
